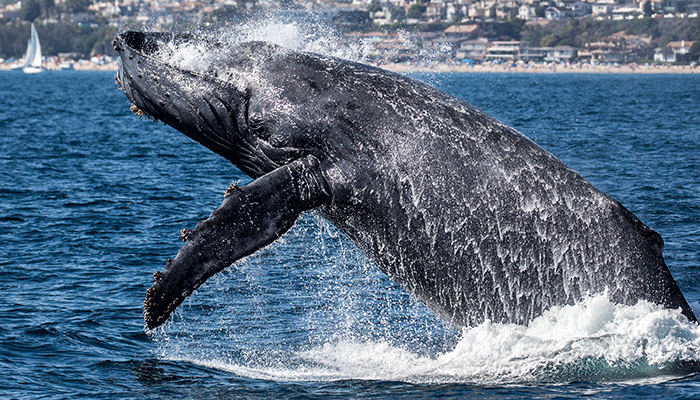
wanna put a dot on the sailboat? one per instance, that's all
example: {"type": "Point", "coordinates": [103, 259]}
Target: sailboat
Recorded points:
{"type": "Point", "coordinates": [32, 59]}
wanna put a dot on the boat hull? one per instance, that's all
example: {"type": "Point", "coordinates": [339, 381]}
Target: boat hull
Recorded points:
{"type": "Point", "coordinates": [32, 70]}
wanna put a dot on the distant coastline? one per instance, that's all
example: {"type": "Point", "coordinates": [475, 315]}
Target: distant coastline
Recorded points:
{"type": "Point", "coordinates": [100, 63]}
{"type": "Point", "coordinates": [544, 68]}
{"type": "Point", "coordinates": [539, 68]}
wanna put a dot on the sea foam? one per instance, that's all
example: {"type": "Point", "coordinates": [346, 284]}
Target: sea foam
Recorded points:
{"type": "Point", "coordinates": [594, 340]}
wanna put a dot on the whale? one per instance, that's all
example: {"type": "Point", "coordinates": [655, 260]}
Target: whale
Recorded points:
{"type": "Point", "coordinates": [472, 218]}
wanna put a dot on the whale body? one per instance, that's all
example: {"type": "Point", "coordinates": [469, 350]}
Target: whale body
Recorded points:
{"type": "Point", "coordinates": [465, 213]}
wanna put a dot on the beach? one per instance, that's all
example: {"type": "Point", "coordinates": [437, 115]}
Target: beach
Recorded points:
{"type": "Point", "coordinates": [106, 64]}
{"type": "Point", "coordinates": [102, 63]}
{"type": "Point", "coordinates": [543, 68]}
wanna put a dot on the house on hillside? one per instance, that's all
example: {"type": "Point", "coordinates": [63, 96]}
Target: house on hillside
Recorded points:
{"type": "Point", "coordinates": [482, 10]}
{"type": "Point", "coordinates": [436, 11]}
{"type": "Point", "coordinates": [626, 12]}
{"type": "Point", "coordinates": [599, 9]}
{"type": "Point", "coordinates": [673, 52]}
{"type": "Point", "coordinates": [528, 53]}
{"type": "Point", "coordinates": [506, 10]}
{"type": "Point", "coordinates": [605, 51]}
{"type": "Point", "coordinates": [557, 13]}
{"type": "Point", "coordinates": [568, 9]}
{"type": "Point", "coordinates": [381, 17]}
{"type": "Point", "coordinates": [527, 12]}
{"type": "Point", "coordinates": [503, 50]}
{"type": "Point", "coordinates": [578, 9]}
{"type": "Point", "coordinates": [473, 49]}
{"type": "Point", "coordinates": [560, 54]}
{"type": "Point", "coordinates": [463, 31]}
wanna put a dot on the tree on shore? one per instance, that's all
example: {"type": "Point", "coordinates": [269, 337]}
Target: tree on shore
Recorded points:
{"type": "Point", "coordinates": [578, 32]}
{"type": "Point", "coordinates": [694, 52]}
{"type": "Point", "coordinates": [416, 10]}
{"type": "Point", "coordinates": [57, 38]}
{"type": "Point", "coordinates": [77, 6]}
{"type": "Point", "coordinates": [30, 11]}
{"type": "Point", "coordinates": [33, 9]}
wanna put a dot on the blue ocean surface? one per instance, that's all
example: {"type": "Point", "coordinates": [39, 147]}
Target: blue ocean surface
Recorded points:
{"type": "Point", "coordinates": [92, 200]}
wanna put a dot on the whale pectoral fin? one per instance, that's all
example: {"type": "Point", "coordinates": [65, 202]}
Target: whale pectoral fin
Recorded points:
{"type": "Point", "coordinates": [251, 217]}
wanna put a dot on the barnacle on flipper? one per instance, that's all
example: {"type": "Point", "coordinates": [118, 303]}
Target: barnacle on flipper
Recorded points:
{"type": "Point", "coordinates": [186, 235]}
{"type": "Point", "coordinates": [137, 111]}
{"type": "Point", "coordinates": [157, 276]}
{"type": "Point", "coordinates": [155, 310]}
{"type": "Point", "coordinates": [233, 187]}
{"type": "Point", "coordinates": [140, 113]}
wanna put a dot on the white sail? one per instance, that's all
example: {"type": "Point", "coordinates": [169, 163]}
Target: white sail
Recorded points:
{"type": "Point", "coordinates": [36, 60]}
{"type": "Point", "coordinates": [28, 54]}
{"type": "Point", "coordinates": [32, 60]}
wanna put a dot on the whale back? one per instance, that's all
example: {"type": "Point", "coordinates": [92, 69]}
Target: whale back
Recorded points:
{"type": "Point", "coordinates": [476, 220]}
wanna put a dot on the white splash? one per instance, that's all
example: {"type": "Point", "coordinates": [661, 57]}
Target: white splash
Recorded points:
{"type": "Point", "coordinates": [189, 56]}
{"type": "Point", "coordinates": [302, 35]}
{"type": "Point", "coordinates": [594, 340]}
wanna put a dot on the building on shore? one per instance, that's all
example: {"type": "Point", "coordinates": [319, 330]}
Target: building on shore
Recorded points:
{"type": "Point", "coordinates": [673, 52]}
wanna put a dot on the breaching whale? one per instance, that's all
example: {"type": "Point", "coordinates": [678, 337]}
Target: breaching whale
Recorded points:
{"type": "Point", "coordinates": [468, 215]}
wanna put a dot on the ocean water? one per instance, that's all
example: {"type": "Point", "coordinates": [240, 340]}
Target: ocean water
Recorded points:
{"type": "Point", "coordinates": [92, 200]}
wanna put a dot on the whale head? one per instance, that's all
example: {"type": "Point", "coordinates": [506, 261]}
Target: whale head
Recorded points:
{"type": "Point", "coordinates": [217, 94]}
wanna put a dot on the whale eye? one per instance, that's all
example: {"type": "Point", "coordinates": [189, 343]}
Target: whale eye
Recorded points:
{"type": "Point", "coordinates": [257, 128]}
